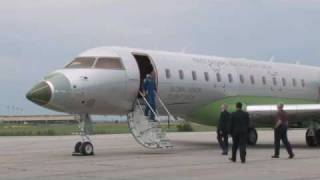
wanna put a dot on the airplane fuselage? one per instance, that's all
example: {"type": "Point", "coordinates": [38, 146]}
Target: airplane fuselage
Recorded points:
{"type": "Point", "coordinates": [185, 82]}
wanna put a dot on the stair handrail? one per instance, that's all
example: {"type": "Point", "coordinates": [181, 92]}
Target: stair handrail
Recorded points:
{"type": "Point", "coordinates": [139, 104]}
{"type": "Point", "coordinates": [164, 107]}
{"type": "Point", "coordinates": [152, 110]}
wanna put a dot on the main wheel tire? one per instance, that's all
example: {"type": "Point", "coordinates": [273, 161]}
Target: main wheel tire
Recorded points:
{"type": "Point", "coordinates": [252, 136]}
{"type": "Point", "coordinates": [86, 148]}
{"type": "Point", "coordinates": [318, 137]}
{"type": "Point", "coordinates": [77, 147]}
{"type": "Point", "coordinates": [310, 140]}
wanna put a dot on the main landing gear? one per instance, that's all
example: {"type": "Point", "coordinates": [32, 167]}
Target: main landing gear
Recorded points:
{"type": "Point", "coordinates": [252, 136]}
{"type": "Point", "coordinates": [85, 146]}
{"type": "Point", "coordinates": [313, 134]}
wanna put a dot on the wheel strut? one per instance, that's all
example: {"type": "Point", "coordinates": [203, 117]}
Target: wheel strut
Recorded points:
{"type": "Point", "coordinates": [85, 146]}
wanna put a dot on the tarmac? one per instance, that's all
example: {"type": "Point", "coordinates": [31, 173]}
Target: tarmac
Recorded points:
{"type": "Point", "coordinates": [195, 155]}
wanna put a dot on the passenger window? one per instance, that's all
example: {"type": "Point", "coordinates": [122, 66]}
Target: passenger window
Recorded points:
{"type": "Point", "coordinates": [81, 62]}
{"type": "Point", "coordinates": [230, 78]}
{"type": "Point", "coordinates": [303, 84]}
{"type": "Point", "coordinates": [284, 82]}
{"type": "Point", "coordinates": [194, 75]}
{"type": "Point", "coordinates": [181, 75]}
{"type": "Point", "coordinates": [168, 75]}
{"type": "Point", "coordinates": [264, 80]}
{"type": "Point", "coordinates": [252, 79]}
{"type": "Point", "coordinates": [274, 81]}
{"type": "Point", "coordinates": [294, 82]}
{"type": "Point", "coordinates": [206, 76]}
{"type": "Point", "coordinates": [109, 63]}
{"type": "Point", "coordinates": [218, 77]}
{"type": "Point", "coordinates": [241, 79]}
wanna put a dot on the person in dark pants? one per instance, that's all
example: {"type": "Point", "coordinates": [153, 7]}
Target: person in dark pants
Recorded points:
{"type": "Point", "coordinates": [280, 133]}
{"type": "Point", "coordinates": [149, 87]}
{"type": "Point", "coordinates": [223, 129]}
{"type": "Point", "coordinates": [239, 130]}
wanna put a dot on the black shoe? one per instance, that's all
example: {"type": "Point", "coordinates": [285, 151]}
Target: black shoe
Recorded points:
{"type": "Point", "coordinates": [224, 153]}
{"type": "Point", "coordinates": [233, 160]}
{"type": "Point", "coordinates": [291, 156]}
{"type": "Point", "coordinates": [243, 162]}
{"type": "Point", "coordinates": [275, 156]}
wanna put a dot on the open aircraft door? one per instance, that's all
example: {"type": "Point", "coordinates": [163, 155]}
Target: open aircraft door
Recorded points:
{"type": "Point", "coordinates": [146, 132]}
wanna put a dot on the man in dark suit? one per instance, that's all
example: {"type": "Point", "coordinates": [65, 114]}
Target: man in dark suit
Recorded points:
{"type": "Point", "coordinates": [239, 130]}
{"type": "Point", "coordinates": [223, 129]}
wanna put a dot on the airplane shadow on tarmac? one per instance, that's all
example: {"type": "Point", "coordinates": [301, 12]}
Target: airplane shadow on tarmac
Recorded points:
{"type": "Point", "coordinates": [294, 146]}
{"type": "Point", "coordinates": [215, 145]}
{"type": "Point", "coordinates": [180, 146]}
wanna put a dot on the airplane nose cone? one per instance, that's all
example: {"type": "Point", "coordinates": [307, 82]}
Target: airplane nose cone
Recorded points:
{"type": "Point", "coordinates": [40, 94]}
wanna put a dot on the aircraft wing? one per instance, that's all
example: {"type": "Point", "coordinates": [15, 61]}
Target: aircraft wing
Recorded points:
{"type": "Point", "coordinates": [296, 112]}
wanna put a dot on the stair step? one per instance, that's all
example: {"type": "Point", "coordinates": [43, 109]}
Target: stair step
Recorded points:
{"type": "Point", "coordinates": [148, 134]}
{"type": "Point", "coordinates": [165, 143]}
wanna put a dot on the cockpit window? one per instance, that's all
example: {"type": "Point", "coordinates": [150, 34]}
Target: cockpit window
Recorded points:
{"type": "Point", "coordinates": [81, 62]}
{"type": "Point", "coordinates": [109, 63]}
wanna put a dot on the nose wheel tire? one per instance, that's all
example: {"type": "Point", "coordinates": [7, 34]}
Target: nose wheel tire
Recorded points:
{"type": "Point", "coordinates": [86, 148]}
{"type": "Point", "coordinates": [77, 147]}
{"type": "Point", "coordinates": [83, 149]}
{"type": "Point", "coordinates": [252, 136]}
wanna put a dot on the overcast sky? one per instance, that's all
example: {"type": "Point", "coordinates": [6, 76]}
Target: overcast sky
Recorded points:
{"type": "Point", "coordinates": [38, 36]}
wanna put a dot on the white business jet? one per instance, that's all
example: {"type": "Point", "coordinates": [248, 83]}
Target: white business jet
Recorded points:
{"type": "Point", "coordinates": [108, 81]}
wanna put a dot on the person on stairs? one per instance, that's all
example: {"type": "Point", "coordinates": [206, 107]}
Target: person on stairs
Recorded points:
{"type": "Point", "coordinates": [149, 90]}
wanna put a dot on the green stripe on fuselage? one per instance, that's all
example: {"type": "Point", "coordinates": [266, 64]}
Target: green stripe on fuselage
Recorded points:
{"type": "Point", "coordinates": [209, 114]}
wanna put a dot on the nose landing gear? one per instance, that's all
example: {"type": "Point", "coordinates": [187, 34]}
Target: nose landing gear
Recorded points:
{"type": "Point", "coordinates": [84, 147]}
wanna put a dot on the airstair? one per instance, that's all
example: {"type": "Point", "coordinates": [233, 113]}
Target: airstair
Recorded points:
{"type": "Point", "coordinates": [148, 133]}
